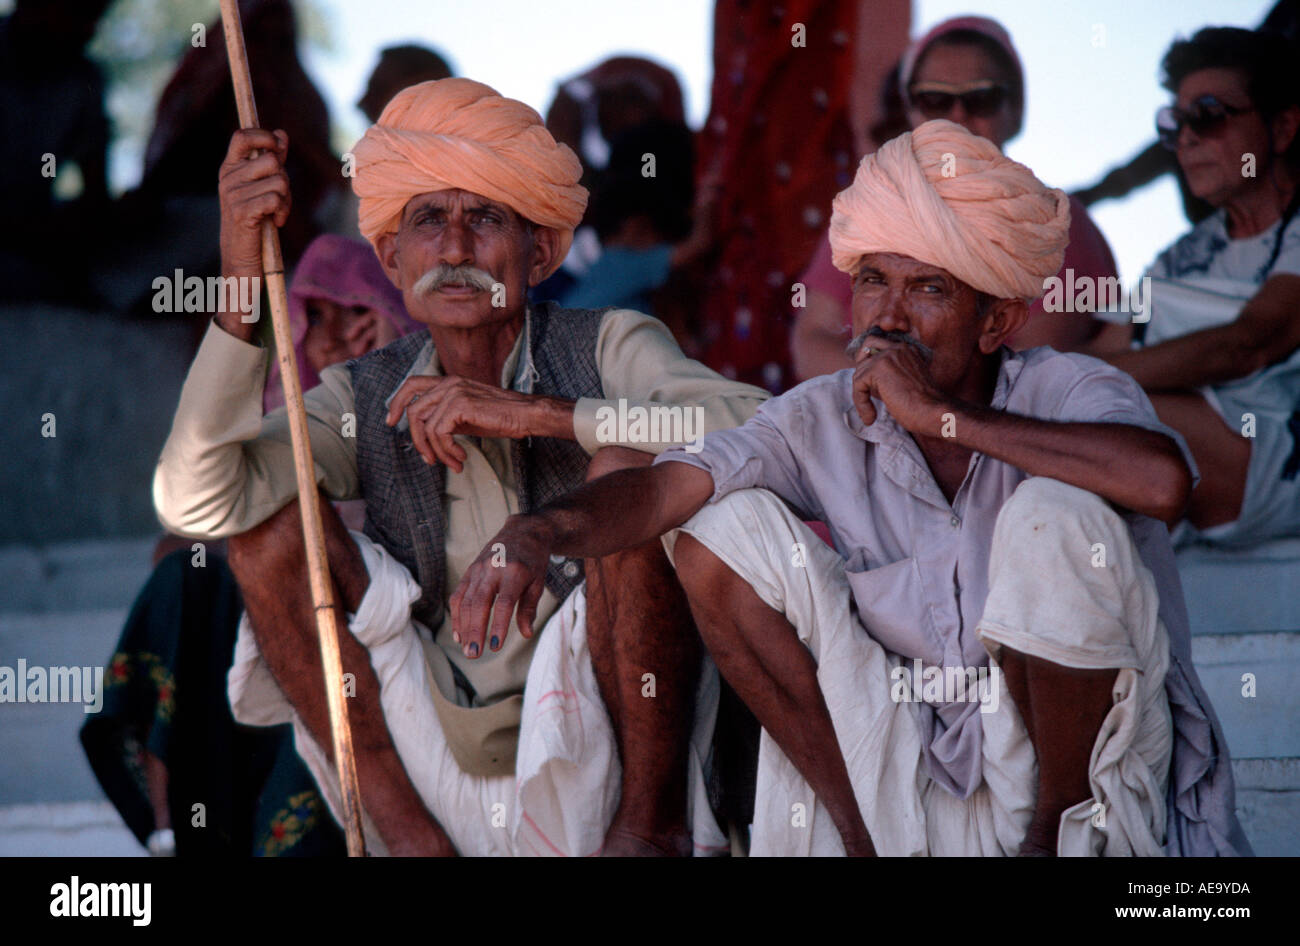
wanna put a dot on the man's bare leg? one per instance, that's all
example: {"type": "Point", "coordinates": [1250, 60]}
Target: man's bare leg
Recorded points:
{"type": "Point", "coordinates": [270, 565]}
{"type": "Point", "coordinates": [1063, 709]}
{"type": "Point", "coordinates": [761, 656]}
{"type": "Point", "coordinates": [1222, 456]}
{"type": "Point", "coordinates": [638, 623]}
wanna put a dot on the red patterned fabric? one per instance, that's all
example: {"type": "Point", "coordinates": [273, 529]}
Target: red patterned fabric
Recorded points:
{"type": "Point", "coordinates": [778, 145]}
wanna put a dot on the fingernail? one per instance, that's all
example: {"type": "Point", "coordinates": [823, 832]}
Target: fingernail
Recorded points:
{"type": "Point", "coordinates": [473, 649]}
{"type": "Point", "coordinates": [495, 642]}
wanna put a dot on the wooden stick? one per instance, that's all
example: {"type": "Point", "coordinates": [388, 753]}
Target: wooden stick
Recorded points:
{"type": "Point", "coordinates": [317, 563]}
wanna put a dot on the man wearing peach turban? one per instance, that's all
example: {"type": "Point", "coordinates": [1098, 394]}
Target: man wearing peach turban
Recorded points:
{"type": "Point", "coordinates": [504, 733]}
{"type": "Point", "coordinates": [993, 658]}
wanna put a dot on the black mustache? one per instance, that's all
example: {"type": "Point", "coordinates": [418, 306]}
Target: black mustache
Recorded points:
{"type": "Point", "coordinates": [876, 331]}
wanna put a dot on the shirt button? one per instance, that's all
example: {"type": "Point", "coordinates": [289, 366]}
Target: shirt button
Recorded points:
{"type": "Point", "coordinates": [571, 570]}
{"type": "Point", "coordinates": [955, 522]}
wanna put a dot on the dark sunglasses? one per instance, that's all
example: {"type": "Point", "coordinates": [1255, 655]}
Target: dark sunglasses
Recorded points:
{"type": "Point", "coordinates": [983, 101]}
{"type": "Point", "coordinates": [1206, 117]}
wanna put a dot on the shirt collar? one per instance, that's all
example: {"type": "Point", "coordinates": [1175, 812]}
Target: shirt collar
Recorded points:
{"type": "Point", "coordinates": [517, 374]}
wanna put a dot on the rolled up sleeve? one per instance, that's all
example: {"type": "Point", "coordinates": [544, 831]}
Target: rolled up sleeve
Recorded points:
{"type": "Point", "coordinates": [225, 467]}
{"type": "Point", "coordinates": [759, 454]}
{"type": "Point", "coordinates": [641, 366]}
{"type": "Point", "coordinates": [1105, 395]}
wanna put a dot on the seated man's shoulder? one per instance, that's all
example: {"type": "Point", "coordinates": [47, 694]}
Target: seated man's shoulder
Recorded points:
{"type": "Point", "coordinates": [555, 310]}
{"type": "Point", "coordinates": [1073, 386]}
{"type": "Point", "coordinates": [824, 397]}
{"type": "Point", "coordinates": [1065, 368]}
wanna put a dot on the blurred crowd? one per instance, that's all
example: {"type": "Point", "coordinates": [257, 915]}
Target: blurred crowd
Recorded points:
{"type": "Point", "coordinates": [722, 236]}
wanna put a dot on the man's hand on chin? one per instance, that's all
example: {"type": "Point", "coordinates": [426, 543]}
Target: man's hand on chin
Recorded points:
{"type": "Point", "coordinates": [898, 375]}
{"type": "Point", "coordinates": [440, 408]}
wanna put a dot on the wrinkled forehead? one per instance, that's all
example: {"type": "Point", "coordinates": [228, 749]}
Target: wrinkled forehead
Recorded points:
{"type": "Point", "coordinates": [899, 265]}
{"type": "Point", "coordinates": [455, 198]}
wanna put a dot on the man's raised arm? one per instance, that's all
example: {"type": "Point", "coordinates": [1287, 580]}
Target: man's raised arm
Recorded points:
{"type": "Point", "coordinates": [225, 468]}
{"type": "Point", "coordinates": [624, 509]}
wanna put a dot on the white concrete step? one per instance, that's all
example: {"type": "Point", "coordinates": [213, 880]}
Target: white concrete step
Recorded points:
{"type": "Point", "coordinates": [1268, 804]}
{"type": "Point", "coordinates": [67, 829]}
{"type": "Point", "coordinates": [1267, 724]}
{"type": "Point", "coordinates": [41, 759]}
{"type": "Point", "coordinates": [88, 575]}
{"type": "Point", "coordinates": [1230, 592]}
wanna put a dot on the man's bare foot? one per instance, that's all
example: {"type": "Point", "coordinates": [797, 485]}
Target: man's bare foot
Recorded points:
{"type": "Point", "coordinates": [622, 842]}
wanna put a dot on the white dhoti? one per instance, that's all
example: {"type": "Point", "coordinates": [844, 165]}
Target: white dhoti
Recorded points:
{"type": "Point", "coordinates": [566, 785]}
{"type": "Point", "coordinates": [1046, 598]}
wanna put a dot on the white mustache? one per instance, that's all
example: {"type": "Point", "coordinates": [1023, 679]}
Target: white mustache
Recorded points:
{"type": "Point", "coordinates": [445, 275]}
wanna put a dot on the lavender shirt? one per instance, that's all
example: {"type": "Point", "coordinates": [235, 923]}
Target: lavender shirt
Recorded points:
{"type": "Point", "coordinates": [918, 565]}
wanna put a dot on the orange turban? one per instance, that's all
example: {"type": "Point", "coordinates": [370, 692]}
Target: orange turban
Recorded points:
{"type": "Point", "coordinates": [949, 198]}
{"type": "Point", "coordinates": [457, 133]}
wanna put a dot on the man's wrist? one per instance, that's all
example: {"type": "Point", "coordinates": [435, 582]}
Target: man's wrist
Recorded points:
{"type": "Point", "coordinates": [537, 527]}
{"type": "Point", "coordinates": [552, 417]}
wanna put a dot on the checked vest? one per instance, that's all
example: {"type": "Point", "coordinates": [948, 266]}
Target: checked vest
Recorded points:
{"type": "Point", "coordinates": [404, 495]}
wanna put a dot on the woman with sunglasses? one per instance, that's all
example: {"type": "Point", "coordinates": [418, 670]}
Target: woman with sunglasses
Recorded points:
{"type": "Point", "coordinates": [1221, 353]}
{"type": "Point", "coordinates": [965, 70]}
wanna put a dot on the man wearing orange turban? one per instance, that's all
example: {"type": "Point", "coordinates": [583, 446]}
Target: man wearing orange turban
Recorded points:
{"type": "Point", "coordinates": [508, 740]}
{"type": "Point", "coordinates": [994, 657]}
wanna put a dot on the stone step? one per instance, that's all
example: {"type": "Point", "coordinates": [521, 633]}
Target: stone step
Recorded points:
{"type": "Point", "coordinates": [66, 829]}
{"type": "Point", "coordinates": [1230, 592]}
{"type": "Point", "coordinates": [109, 385]}
{"type": "Point", "coordinates": [39, 744]}
{"type": "Point", "coordinates": [1262, 725]}
{"type": "Point", "coordinates": [87, 575]}
{"type": "Point", "coordinates": [1268, 804]}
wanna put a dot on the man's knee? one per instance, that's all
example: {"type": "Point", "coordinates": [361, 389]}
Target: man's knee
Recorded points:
{"type": "Point", "coordinates": [610, 459]}
{"type": "Point", "coordinates": [697, 565]}
{"type": "Point", "coordinates": [275, 549]}
{"type": "Point", "coordinates": [1042, 494]}
{"type": "Point", "coordinates": [1042, 507]}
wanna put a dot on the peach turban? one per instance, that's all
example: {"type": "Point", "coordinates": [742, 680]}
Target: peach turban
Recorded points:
{"type": "Point", "coordinates": [457, 133]}
{"type": "Point", "coordinates": [949, 198]}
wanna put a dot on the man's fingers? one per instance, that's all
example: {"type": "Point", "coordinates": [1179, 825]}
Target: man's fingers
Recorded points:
{"type": "Point", "coordinates": [453, 603]}
{"type": "Point", "coordinates": [863, 388]}
{"type": "Point", "coordinates": [504, 607]}
{"type": "Point", "coordinates": [265, 164]}
{"type": "Point", "coordinates": [247, 140]}
{"type": "Point", "coordinates": [421, 387]}
{"type": "Point", "coordinates": [448, 451]}
{"type": "Point", "coordinates": [265, 195]}
{"type": "Point", "coordinates": [420, 440]}
{"type": "Point", "coordinates": [526, 613]}
{"type": "Point", "coordinates": [443, 423]}
{"type": "Point", "coordinates": [475, 607]}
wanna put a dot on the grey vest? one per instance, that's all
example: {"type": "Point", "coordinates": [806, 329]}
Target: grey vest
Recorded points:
{"type": "Point", "coordinates": [404, 495]}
